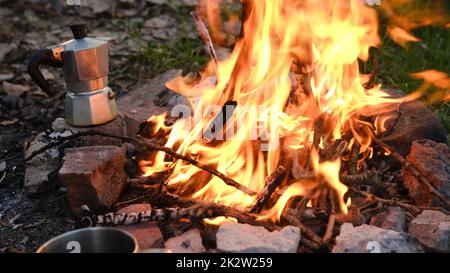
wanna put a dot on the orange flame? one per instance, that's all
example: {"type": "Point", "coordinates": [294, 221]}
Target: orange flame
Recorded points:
{"type": "Point", "coordinates": [324, 39]}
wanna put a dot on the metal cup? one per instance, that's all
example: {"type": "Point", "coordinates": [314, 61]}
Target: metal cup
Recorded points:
{"type": "Point", "coordinates": [92, 240]}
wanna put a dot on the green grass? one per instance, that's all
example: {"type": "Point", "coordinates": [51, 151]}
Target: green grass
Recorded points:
{"type": "Point", "coordinates": [182, 53]}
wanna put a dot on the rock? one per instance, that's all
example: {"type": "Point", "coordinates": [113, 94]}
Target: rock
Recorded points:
{"type": "Point", "coordinates": [147, 234]}
{"type": "Point", "coordinates": [432, 229]}
{"type": "Point", "coordinates": [98, 6]}
{"type": "Point", "coordinates": [393, 218]}
{"type": "Point", "coordinates": [372, 239]}
{"type": "Point", "coordinates": [161, 21]}
{"type": "Point", "coordinates": [413, 121]}
{"type": "Point", "coordinates": [433, 160]}
{"type": "Point", "coordinates": [39, 170]}
{"type": "Point", "coordinates": [244, 238]}
{"type": "Point", "coordinates": [94, 176]}
{"type": "Point", "coordinates": [43, 167]}
{"type": "Point", "coordinates": [188, 242]}
{"type": "Point", "coordinates": [116, 126]}
{"type": "Point", "coordinates": [139, 104]}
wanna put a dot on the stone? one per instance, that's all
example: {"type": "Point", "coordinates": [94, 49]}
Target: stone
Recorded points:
{"type": "Point", "coordinates": [188, 242]}
{"type": "Point", "coordinates": [411, 122]}
{"type": "Point", "coordinates": [116, 126]}
{"type": "Point", "coordinates": [161, 21]}
{"type": "Point", "coordinates": [244, 238]}
{"type": "Point", "coordinates": [39, 170]}
{"type": "Point", "coordinates": [147, 234]}
{"type": "Point", "coordinates": [433, 161]}
{"type": "Point", "coordinates": [93, 175]}
{"type": "Point", "coordinates": [432, 229]}
{"type": "Point", "coordinates": [138, 105]}
{"type": "Point", "coordinates": [372, 239]}
{"type": "Point", "coordinates": [393, 218]}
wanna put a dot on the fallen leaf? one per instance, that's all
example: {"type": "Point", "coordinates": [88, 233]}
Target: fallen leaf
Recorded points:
{"type": "Point", "coordinates": [5, 77]}
{"type": "Point", "coordinates": [7, 123]}
{"type": "Point", "coordinates": [15, 89]}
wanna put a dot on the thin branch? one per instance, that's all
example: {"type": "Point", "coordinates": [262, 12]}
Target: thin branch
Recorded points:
{"type": "Point", "coordinates": [148, 145]}
{"type": "Point", "coordinates": [413, 208]}
{"type": "Point", "coordinates": [413, 170]}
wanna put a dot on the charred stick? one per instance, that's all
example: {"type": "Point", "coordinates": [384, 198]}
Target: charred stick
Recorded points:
{"type": "Point", "coordinates": [292, 220]}
{"type": "Point", "coordinates": [368, 178]}
{"type": "Point", "coordinates": [271, 183]}
{"type": "Point", "coordinates": [413, 170]}
{"type": "Point", "coordinates": [353, 163]}
{"type": "Point", "coordinates": [309, 244]}
{"type": "Point", "coordinates": [329, 231]}
{"type": "Point", "coordinates": [216, 130]}
{"type": "Point", "coordinates": [146, 144]}
{"type": "Point", "coordinates": [331, 220]}
{"type": "Point", "coordinates": [335, 151]}
{"type": "Point", "coordinates": [412, 208]}
{"type": "Point", "coordinates": [220, 210]}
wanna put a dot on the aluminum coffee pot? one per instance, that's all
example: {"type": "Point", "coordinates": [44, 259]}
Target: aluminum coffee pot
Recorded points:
{"type": "Point", "coordinates": [89, 100]}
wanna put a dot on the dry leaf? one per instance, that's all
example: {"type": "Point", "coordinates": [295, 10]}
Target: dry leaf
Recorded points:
{"type": "Point", "coordinates": [15, 89]}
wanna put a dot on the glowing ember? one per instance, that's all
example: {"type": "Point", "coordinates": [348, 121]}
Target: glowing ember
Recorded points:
{"type": "Point", "coordinates": [295, 78]}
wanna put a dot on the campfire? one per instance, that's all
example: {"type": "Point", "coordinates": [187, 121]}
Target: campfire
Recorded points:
{"type": "Point", "coordinates": [285, 134]}
{"type": "Point", "coordinates": [286, 116]}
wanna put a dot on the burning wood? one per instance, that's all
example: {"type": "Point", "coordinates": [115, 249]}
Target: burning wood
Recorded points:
{"type": "Point", "coordinates": [272, 182]}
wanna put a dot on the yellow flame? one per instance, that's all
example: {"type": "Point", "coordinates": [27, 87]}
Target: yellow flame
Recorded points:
{"type": "Point", "coordinates": [323, 40]}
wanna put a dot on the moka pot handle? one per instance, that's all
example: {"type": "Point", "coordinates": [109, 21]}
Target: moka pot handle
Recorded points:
{"type": "Point", "coordinates": [50, 57]}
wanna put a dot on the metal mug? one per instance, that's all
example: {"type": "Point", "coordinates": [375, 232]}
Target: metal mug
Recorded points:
{"type": "Point", "coordinates": [92, 240]}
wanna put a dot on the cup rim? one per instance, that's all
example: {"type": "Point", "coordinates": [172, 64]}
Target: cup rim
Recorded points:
{"type": "Point", "coordinates": [47, 243]}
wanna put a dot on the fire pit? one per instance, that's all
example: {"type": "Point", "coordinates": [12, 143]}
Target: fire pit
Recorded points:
{"type": "Point", "coordinates": [282, 146]}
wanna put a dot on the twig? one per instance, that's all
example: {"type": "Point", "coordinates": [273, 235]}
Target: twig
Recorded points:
{"type": "Point", "coordinates": [413, 208]}
{"type": "Point", "coordinates": [412, 169]}
{"type": "Point", "coordinates": [329, 231]}
{"type": "Point", "coordinates": [206, 38]}
{"type": "Point", "coordinates": [292, 220]}
{"type": "Point", "coordinates": [331, 220]}
{"type": "Point", "coordinates": [271, 183]}
{"type": "Point", "coordinates": [132, 200]}
{"type": "Point", "coordinates": [151, 146]}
